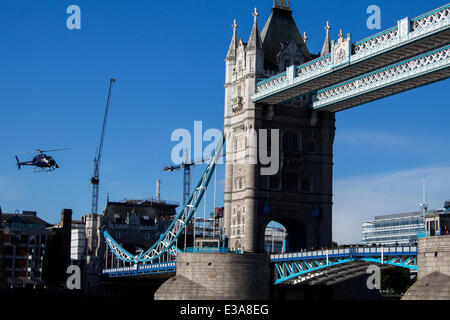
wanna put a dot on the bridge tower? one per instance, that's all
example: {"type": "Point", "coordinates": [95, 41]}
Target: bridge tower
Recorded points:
{"type": "Point", "coordinates": [299, 194]}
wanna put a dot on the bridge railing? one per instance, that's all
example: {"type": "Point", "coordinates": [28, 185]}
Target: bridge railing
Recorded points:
{"type": "Point", "coordinates": [345, 252]}
{"type": "Point", "coordinates": [431, 17]}
{"type": "Point", "coordinates": [137, 269]}
{"type": "Point", "coordinates": [376, 40]}
{"type": "Point", "coordinates": [120, 269]}
{"type": "Point", "coordinates": [207, 250]}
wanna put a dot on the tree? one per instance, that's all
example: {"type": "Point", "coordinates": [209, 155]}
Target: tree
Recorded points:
{"type": "Point", "coordinates": [396, 279]}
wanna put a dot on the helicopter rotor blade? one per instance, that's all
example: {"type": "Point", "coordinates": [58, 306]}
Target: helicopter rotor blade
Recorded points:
{"type": "Point", "coordinates": [53, 150]}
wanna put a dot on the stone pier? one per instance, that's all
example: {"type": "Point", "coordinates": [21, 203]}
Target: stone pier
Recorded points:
{"type": "Point", "coordinates": [215, 276]}
{"type": "Point", "coordinates": [433, 265]}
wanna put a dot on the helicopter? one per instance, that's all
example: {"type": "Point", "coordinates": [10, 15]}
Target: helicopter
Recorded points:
{"type": "Point", "coordinates": [41, 161]}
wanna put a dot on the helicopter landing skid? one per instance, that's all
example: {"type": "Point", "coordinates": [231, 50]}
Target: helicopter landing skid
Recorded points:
{"type": "Point", "coordinates": [44, 170]}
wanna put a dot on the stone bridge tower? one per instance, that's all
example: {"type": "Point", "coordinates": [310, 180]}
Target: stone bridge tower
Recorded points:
{"type": "Point", "coordinates": [299, 195]}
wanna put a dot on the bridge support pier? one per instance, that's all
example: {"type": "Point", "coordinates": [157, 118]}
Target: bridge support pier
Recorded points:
{"type": "Point", "coordinates": [218, 276]}
{"type": "Point", "coordinates": [433, 266]}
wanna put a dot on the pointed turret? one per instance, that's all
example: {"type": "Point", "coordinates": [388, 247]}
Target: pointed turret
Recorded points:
{"type": "Point", "coordinates": [255, 38]}
{"type": "Point", "coordinates": [230, 60]}
{"type": "Point", "coordinates": [231, 55]}
{"type": "Point", "coordinates": [326, 49]}
{"type": "Point", "coordinates": [279, 30]}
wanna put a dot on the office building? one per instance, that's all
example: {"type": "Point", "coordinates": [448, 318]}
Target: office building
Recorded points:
{"type": "Point", "coordinates": [399, 229]}
{"type": "Point", "coordinates": [24, 243]}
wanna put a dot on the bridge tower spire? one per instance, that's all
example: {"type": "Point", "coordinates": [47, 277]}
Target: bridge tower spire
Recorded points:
{"type": "Point", "coordinates": [231, 55]}
{"type": "Point", "coordinates": [326, 48]}
{"type": "Point", "coordinates": [255, 38]}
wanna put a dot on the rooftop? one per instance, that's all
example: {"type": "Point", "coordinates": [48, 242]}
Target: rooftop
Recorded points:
{"type": "Point", "coordinates": [26, 217]}
{"type": "Point", "coordinates": [399, 215]}
{"type": "Point", "coordinates": [280, 29]}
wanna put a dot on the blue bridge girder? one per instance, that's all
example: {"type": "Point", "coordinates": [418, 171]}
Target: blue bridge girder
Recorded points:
{"type": "Point", "coordinates": [165, 248]}
{"type": "Point", "coordinates": [297, 265]}
{"type": "Point", "coordinates": [410, 38]}
{"type": "Point", "coordinates": [301, 266]}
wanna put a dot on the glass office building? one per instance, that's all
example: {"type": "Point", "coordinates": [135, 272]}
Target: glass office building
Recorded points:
{"type": "Point", "coordinates": [393, 229]}
{"type": "Point", "coordinates": [274, 237]}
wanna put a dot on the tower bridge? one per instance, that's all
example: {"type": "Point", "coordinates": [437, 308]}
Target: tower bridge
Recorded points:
{"type": "Point", "coordinates": [273, 82]}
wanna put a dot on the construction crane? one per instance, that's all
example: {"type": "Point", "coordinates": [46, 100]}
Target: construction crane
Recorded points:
{"type": "Point", "coordinates": [186, 177]}
{"type": "Point", "coordinates": [186, 166]}
{"type": "Point", "coordinates": [95, 180]}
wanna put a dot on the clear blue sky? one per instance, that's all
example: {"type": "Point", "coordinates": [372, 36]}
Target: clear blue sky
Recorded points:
{"type": "Point", "coordinates": [168, 59]}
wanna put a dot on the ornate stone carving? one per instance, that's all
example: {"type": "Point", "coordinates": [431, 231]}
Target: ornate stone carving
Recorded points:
{"type": "Point", "coordinates": [341, 50]}
{"type": "Point", "coordinates": [236, 105]}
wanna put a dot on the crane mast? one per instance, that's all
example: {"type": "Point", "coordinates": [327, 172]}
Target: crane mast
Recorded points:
{"type": "Point", "coordinates": [186, 166]}
{"type": "Point", "coordinates": [95, 180]}
{"type": "Point", "coordinates": [186, 178]}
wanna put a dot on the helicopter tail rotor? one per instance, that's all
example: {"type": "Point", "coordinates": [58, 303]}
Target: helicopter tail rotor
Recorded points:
{"type": "Point", "coordinates": [18, 162]}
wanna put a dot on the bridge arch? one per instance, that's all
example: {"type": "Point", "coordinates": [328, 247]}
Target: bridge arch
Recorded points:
{"type": "Point", "coordinates": [299, 233]}
{"type": "Point", "coordinates": [132, 244]}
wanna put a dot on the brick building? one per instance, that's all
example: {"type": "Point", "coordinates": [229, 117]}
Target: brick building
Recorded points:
{"type": "Point", "coordinates": [24, 242]}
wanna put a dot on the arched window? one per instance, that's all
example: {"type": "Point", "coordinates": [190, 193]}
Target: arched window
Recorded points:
{"type": "Point", "coordinates": [274, 182]}
{"type": "Point", "coordinates": [290, 181]}
{"type": "Point", "coordinates": [290, 141]}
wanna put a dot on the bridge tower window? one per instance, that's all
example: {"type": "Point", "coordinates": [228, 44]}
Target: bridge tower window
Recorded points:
{"type": "Point", "coordinates": [274, 182]}
{"type": "Point", "coordinates": [306, 185]}
{"type": "Point", "coordinates": [290, 141]}
{"type": "Point", "coordinates": [290, 181]}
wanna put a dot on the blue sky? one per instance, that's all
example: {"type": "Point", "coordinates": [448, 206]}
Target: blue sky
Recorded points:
{"type": "Point", "coordinates": [168, 59]}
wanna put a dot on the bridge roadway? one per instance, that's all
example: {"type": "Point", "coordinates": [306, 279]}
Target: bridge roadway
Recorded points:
{"type": "Point", "coordinates": [339, 264]}
{"type": "Point", "coordinates": [411, 38]}
{"type": "Point", "coordinates": [313, 267]}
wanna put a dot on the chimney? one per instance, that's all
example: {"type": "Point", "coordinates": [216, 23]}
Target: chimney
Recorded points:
{"type": "Point", "coordinates": [158, 185]}
{"type": "Point", "coordinates": [29, 213]}
{"type": "Point", "coordinates": [66, 230]}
